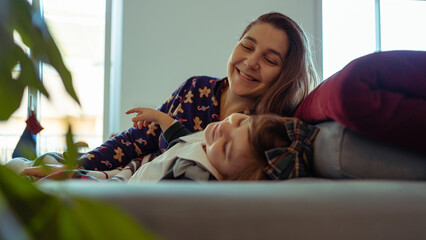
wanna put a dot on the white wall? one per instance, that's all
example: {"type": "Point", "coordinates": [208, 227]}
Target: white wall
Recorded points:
{"type": "Point", "coordinates": [164, 42]}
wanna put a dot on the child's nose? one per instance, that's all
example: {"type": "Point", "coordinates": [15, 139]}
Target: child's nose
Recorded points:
{"type": "Point", "coordinates": [225, 128]}
{"type": "Point", "coordinates": [235, 118]}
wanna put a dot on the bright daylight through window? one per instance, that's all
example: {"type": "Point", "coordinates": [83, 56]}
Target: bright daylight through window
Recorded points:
{"type": "Point", "coordinates": [80, 36]}
{"type": "Point", "coordinates": [351, 29]}
{"type": "Point", "coordinates": [78, 28]}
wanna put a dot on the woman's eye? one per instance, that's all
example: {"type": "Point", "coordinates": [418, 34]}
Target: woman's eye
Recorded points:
{"type": "Point", "coordinates": [270, 61]}
{"type": "Point", "coordinates": [246, 47]}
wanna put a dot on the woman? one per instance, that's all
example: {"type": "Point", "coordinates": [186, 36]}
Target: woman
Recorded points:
{"type": "Point", "coordinates": [269, 71]}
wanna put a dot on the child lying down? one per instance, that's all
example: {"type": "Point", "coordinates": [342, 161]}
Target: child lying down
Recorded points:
{"type": "Point", "coordinates": [240, 147]}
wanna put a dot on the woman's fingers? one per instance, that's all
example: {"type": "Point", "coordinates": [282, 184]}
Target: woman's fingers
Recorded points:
{"type": "Point", "coordinates": [134, 110]}
{"type": "Point", "coordinates": [143, 117]}
{"type": "Point", "coordinates": [140, 124]}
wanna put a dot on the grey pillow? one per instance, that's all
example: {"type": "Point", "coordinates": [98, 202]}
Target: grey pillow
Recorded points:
{"type": "Point", "coordinates": [342, 153]}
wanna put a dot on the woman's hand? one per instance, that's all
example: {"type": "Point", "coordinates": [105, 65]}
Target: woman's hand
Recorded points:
{"type": "Point", "coordinates": [146, 115]}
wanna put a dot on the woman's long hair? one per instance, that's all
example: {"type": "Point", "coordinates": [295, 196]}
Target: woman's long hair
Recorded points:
{"type": "Point", "coordinates": [298, 76]}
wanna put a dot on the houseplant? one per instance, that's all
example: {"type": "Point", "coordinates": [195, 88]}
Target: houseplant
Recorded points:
{"type": "Point", "coordinates": [27, 212]}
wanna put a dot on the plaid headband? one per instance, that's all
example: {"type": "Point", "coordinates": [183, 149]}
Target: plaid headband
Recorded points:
{"type": "Point", "coordinates": [296, 160]}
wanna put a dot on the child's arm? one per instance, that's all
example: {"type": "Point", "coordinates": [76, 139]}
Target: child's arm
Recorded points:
{"type": "Point", "coordinates": [146, 115]}
{"type": "Point", "coordinates": [175, 131]}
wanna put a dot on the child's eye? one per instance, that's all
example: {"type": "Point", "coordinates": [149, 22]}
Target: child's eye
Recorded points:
{"type": "Point", "coordinates": [240, 121]}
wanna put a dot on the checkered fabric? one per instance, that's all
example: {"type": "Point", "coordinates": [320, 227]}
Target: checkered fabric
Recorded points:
{"type": "Point", "coordinates": [296, 160]}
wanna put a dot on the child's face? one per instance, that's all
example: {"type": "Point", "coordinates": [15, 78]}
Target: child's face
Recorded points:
{"type": "Point", "coordinates": [228, 147]}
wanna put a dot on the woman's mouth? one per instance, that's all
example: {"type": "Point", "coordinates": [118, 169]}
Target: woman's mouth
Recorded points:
{"type": "Point", "coordinates": [247, 76]}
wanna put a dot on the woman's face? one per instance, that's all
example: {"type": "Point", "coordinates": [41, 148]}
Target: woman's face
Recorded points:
{"type": "Point", "coordinates": [257, 60]}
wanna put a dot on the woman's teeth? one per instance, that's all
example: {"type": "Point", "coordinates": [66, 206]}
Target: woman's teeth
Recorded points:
{"type": "Point", "coordinates": [248, 77]}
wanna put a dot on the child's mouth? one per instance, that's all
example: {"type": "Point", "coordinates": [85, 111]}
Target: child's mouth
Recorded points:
{"type": "Point", "coordinates": [214, 131]}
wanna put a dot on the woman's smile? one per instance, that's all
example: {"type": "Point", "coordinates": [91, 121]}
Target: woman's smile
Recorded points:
{"type": "Point", "coordinates": [246, 76]}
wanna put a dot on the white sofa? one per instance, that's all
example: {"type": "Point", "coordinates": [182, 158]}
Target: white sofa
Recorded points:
{"type": "Point", "coordinates": [295, 209]}
{"type": "Point", "coordinates": [389, 203]}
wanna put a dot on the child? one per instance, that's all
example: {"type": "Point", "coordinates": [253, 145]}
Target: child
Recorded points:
{"type": "Point", "coordinates": [240, 147]}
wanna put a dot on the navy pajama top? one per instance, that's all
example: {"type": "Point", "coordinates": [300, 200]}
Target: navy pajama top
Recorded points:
{"type": "Point", "coordinates": [195, 104]}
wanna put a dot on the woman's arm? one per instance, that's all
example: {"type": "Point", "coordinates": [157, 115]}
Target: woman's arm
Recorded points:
{"type": "Point", "coordinates": [147, 115]}
{"type": "Point", "coordinates": [134, 142]}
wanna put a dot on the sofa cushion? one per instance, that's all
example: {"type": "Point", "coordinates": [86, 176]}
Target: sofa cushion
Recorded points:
{"type": "Point", "coordinates": [381, 95]}
{"type": "Point", "coordinates": [292, 209]}
{"type": "Point", "coordinates": [342, 153]}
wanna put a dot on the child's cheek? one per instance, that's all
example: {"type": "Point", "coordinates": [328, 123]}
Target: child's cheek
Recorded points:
{"type": "Point", "coordinates": [214, 152]}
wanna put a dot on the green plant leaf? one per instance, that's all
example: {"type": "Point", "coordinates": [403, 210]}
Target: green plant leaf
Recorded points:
{"type": "Point", "coordinates": [47, 216]}
{"type": "Point", "coordinates": [26, 201]}
{"type": "Point", "coordinates": [10, 227]}
{"type": "Point", "coordinates": [88, 212]}
{"type": "Point", "coordinates": [28, 75]}
{"type": "Point", "coordinates": [35, 34]}
{"type": "Point", "coordinates": [11, 91]}
{"type": "Point", "coordinates": [71, 154]}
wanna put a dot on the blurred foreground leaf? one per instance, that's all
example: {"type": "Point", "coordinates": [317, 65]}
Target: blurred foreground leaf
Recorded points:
{"type": "Point", "coordinates": [22, 204]}
{"type": "Point", "coordinates": [72, 154]}
{"type": "Point", "coordinates": [45, 216]}
{"type": "Point", "coordinates": [18, 16]}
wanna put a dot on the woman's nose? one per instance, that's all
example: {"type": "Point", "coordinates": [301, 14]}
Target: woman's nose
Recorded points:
{"type": "Point", "coordinates": [252, 62]}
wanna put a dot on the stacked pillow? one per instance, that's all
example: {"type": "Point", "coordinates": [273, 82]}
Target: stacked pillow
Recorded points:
{"type": "Point", "coordinates": [372, 118]}
{"type": "Point", "coordinates": [381, 96]}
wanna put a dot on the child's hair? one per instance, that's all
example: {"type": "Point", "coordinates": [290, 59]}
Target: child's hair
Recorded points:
{"type": "Point", "coordinates": [266, 131]}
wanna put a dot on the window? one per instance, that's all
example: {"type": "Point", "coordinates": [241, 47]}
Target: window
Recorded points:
{"type": "Point", "coordinates": [80, 33]}
{"type": "Point", "coordinates": [78, 28]}
{"type": "Point", "coordinates": [402, 25]}
{"type": "Point", "coordinates": [353, 28]}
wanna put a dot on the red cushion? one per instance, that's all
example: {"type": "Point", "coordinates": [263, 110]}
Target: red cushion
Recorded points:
{"type": "Point", "coordinates": [381, 95]}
